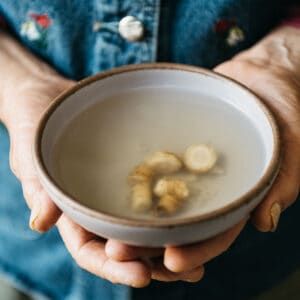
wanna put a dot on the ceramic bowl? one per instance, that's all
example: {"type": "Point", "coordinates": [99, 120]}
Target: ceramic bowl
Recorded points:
{"type": "Point", "coordinates": [163, 231]}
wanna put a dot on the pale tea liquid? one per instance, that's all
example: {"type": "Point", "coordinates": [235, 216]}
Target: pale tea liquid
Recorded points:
{"type": "Point", "coordinates": [98, 149]}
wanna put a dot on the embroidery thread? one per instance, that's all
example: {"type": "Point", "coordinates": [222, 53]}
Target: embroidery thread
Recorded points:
{"type": "Point", "coordinates": [230, 32]}
{"type": "Point", "coordinates": [35, 29]}
{"type": "Point", "coordinates": [235, 36]}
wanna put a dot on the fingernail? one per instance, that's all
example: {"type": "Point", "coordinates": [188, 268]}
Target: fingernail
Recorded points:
{"type": "Point", "coordinates": [34, 215]}
{"type": "Point", "coordinates": [275, 215]}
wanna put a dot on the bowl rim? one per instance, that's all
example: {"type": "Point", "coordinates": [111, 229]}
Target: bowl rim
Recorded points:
{"type": "Point", "coordinates": [265, 180]}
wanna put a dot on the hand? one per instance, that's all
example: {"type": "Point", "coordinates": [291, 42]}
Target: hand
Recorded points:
{"type": "Point", "coordinates": [178, 263]}
{"type": "Point", "coordinates": [272, 70]}
{"type": "Point", "coordinates": [103, 258]}
{"type": "Point", "coordinates": [24, 106]}
{"type": "Point", "coordinates": [279, 88]}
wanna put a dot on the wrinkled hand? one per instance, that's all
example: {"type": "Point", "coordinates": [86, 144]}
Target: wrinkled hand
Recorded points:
{"type": "Point", "coordinates": [27, 87]}
{"type": "Point", "coordinates": [272, 71]}
{"type": "Point", "coordinates": [177, 263]}
{"type": "Point", "coordinates": [24, 106]}
{"type": "Point", "coordinates": [279, 88]}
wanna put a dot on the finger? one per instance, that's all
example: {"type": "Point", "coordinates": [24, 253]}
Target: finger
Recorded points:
{"type": "Point", "coordinates": [44, 212]}
{"type": "Point", "coordinates": [88, 252]}
{"type": "Point", "coordinates": [283, 193]}
{"type": "Point", "coordinates": [122, 252]}
{"type": "Point", "coordinates": [21, 120]}
{"type": "Point", "coordinates": [161, 273]}
{"type": "Point", "coordinates": [187, 258]}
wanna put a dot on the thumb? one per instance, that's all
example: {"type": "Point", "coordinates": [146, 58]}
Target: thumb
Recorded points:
{"type": "Point", "coordinates": [44, 213]}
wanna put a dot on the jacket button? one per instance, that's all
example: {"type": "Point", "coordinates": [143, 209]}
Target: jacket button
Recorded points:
{"type": "Point", "coordinates": [131, 29]}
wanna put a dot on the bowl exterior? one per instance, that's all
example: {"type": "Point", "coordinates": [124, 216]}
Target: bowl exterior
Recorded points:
{"type": "Point", "coordinates": [155, 236]}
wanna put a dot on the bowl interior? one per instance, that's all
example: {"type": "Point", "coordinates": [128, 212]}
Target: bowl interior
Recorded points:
{"type": "Point", "coordinates": [122, 117]}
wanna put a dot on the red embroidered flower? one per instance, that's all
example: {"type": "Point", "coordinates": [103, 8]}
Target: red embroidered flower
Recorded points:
{"type": "Point", "coordinates": [223, 25]}
{"type": "Point", "coordinates": [43, 20]}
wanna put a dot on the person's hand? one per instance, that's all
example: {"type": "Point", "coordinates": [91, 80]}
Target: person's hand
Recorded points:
{"type": "Point", "coordinates": [272, 70]}
{"type": "Point", "coordinates": [23, 107]}
{"type": "Point", "coordinates": [280, 90]}
{"type": "Point", "coordinates": [276, 80]}
{"type": "Point", "coordinates": [176, 263]}
{"type": "Point", "coordinates": [27, 87]}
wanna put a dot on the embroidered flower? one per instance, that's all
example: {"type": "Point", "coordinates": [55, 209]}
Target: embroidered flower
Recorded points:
{"type": "Point", "coordinates": [43, 20]}
{"type": "Point", "coordinates": [35, 29]}
{"type": "Point", "coordinates": [235, 36]}
{"type": "Point", "coordinates": [30, 30]}
{"type": "Point", "coordinates": [229, 31]}
{"type": "Point", "coordinates": [222, 26]}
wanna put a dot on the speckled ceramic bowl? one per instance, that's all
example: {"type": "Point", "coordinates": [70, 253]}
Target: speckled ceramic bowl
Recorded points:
{"type": "Point", "coordinates": [163, 231]}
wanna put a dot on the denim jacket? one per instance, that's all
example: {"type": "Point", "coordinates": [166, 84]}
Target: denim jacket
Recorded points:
{"type": "Point", "coordinates": [82, 37]}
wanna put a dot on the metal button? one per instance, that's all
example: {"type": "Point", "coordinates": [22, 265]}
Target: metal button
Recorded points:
{"type": "Point", "coordinates": [131, 29]}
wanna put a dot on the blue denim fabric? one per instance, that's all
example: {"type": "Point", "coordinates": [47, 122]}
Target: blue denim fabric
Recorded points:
{"type": "Point", "coordinates": [193, 38]}
{"type": "Point", "coordinates": [72, 46]}
{"type": "Point", "coordinates": [180, 31]}
{"type": "Point", "coordinates": [187, 30]}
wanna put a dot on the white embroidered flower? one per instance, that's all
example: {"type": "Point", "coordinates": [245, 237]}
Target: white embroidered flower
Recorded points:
{"type": "Point", "coordinates": [235, 36]}
{"type": "Point", "coordinates": [30, 30]}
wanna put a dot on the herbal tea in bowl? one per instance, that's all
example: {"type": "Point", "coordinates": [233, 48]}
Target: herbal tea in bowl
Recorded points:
{"type": "Point", "coordinates": [157, 154]}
